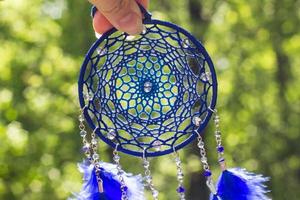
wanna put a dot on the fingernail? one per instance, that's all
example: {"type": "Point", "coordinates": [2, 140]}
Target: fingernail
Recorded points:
{"type": "Point", "coordinates": [131, 24]}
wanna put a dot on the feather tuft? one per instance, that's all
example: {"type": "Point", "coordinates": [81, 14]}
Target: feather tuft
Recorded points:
{"type": "Point", "coordinates": [111, 183]}
{"type": "Point", "coordinates": [239, 184]}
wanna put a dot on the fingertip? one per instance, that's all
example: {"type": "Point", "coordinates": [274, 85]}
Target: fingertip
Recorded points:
{"type": "Point", "coordinates": [100, 23]}
{"type": "Point", "coordinates": [130, 22]}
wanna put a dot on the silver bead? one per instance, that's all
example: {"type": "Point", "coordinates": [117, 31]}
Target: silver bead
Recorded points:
{"type": "Point", "coordinates": [197, 120]}
{"type": "Point", "coordinates": [157, 145]}
{"type": "Point", "coordinates": [203, 159]}
{"type": "Point", "coordinates": [94, 141]}
{"type": "Point", "coordinates": [111, 134]}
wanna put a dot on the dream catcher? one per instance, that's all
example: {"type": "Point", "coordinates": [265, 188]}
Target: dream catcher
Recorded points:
{"type": "Point", "coordinates": [151, 95]}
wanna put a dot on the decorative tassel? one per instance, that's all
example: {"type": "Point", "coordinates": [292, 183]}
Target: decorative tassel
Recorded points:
{"type": "Point", "coordinates": [111, 184]}
{"type": "Point", "coordinates": [239, 184]}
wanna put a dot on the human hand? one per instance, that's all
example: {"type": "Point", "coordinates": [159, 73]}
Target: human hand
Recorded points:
{"type": "Point", "coordinates": [125, 15]}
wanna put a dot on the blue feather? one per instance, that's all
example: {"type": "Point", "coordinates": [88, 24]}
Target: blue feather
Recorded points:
{"type": "Point", "coordinates": [239, 184]}
{"type": "Point", "coordinates": [98, 196]}
{"type": "Point", "coordinates": [111, 183]}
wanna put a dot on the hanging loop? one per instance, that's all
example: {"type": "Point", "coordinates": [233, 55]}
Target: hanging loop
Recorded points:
{"type": "Point", "coordinates": [147, 15]}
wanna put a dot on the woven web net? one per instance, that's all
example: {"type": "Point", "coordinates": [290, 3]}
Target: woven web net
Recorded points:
{"type": "Point", "coordinates": [146, 89]}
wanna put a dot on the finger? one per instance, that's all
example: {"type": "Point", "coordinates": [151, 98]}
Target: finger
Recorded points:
{"type": "Point", "coordinates": [125, 15]}
{"type": "Point", "coordinates": [100, 23]}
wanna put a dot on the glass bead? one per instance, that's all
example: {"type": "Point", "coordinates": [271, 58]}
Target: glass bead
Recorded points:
{"type": "Point", "coordinates": [101, 51]}
{"type": "Point", "coordinates": [203, 159]}
{"type": "Point", "coordinates": [186, 43]}
{"type": "Point", "coordinates": [205, 76]}
{"type": "Point", "coordinates": [180, 189]}
{"type": "Point", "coordinates": [95, 156]}
{"type": "Point", "coordinates": [180, 176]}
{"type": "Point", "coordinates": [216, 117]}
{"type": "Point", "coordinates": [88, 96]}
{"type": "Point", "coordinates": [200, 144]}
{"type": "Point", "coordinates": [86, 148]}
{"type": "Point", "coordinates": [146, 163]}
{"type": "Point", "coordinates": [80, 118]}
{"type": "Point", "coordinates": [218, 133]}
{"type": "Point", "coordinates": [131, 37]}
{"type": "Point", "coordinates": [111, 134]}
{"type": "Point", "coordinates": [120, 173]}
{"type": "Point", "coordinates": [217, 121]}
{"type": "Point", "coordinates": [144, 31]}
{"type": "Point", "coordinates": [207, 173]}
{"type": "Point", "coordinates": [83, 133]}
{"type": "Point", "coordinates": [125, 188]}
{"type": "Point", "coordinates": [221, 160]}
{"type": "Point", "coordinates": [197, 120]}
{"type": "Point", "coordinates": [220, 149]}
{"type": "Point", "coordinates": [157, 145]}
{"type": "Point", "coordinates": [148, 179]}
{"type": "Point", "coordinates": [94, 141]}
{"type": "Point", "coordinates": [147, 86]}
{"type": "Point", "coordinates": [223, 165]}
{"type": "Point", "coordinates": [177, 161]}
{"type": "Point", "coordinates": [117, 158]}
{"type": "Point", "coordinates": [155, 193]}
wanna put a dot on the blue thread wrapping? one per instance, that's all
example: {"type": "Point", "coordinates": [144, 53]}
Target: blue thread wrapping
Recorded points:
{"type": "Point", "coordinates": [115, 71]}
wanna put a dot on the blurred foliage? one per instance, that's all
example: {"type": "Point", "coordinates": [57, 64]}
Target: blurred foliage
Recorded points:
{"type": "Point", "coordinates": [255, 46]}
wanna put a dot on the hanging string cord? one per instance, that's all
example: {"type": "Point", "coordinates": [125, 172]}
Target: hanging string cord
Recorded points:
{"type": "Point", "coordinates": [148, 176]}
{"type": "Point", "coordinates": [90, 149]}
{"type": "Point", "coordinates": [83, 134]}
{"type": "Point", "coordinates": [203, 159]}
{"type": "Point", "coordinates": [180, 190]}
{"type": "Point", "coordinates": [95, 159]}
{"type": "Point", "coordinates": [218, 137]}
{"type": "Point", "coordinates": [123, 187]}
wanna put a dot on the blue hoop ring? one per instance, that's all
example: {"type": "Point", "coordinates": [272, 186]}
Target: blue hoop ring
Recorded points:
{"type": "Point", "coordinates": [147, 21]}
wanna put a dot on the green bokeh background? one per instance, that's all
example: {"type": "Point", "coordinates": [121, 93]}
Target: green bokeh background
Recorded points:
{"type": "Point", "coordinates": [255, 46]}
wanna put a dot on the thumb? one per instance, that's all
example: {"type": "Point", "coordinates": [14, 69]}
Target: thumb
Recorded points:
{"type": "Point", "coordinates": [125, 15]}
